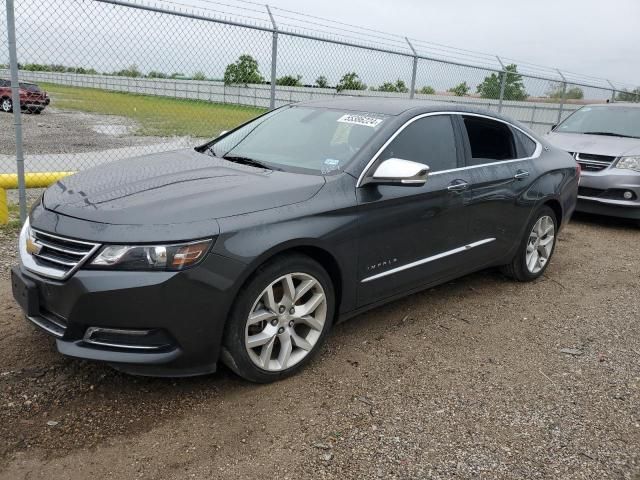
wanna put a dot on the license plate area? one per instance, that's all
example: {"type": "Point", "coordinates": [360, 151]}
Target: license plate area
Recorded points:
{"type": "Point", "coordinates": [25, 293]}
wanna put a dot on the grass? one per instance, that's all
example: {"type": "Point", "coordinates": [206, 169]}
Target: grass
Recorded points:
{"type": "Point", "coordinates": [157, 116]}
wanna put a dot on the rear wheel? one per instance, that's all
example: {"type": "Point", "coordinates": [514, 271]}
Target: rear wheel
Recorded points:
{"type": "Point", "coordinates": [38, 111]}
{"type": "Point", "coordinates": [279, 319]}
{"type": "Point", "coordinates": [536, 248]}
{"type": "Point", "coordinates": [6, 105]}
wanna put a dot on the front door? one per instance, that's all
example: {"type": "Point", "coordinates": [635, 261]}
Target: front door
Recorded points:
{"type": "Point", "coordinates": [410, 235]}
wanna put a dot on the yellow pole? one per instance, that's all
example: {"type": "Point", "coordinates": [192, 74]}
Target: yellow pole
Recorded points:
{"type": "Point", "coordinates": [4, 208]}
{"type": "Point", "coordinates": [32, 180]}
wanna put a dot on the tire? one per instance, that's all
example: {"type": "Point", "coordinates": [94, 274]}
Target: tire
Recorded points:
{"type": "Point", "coordinates": [37, 111]}
{"type": "Point", "coordinates": [6, 105]}
{"type": "Point", "coordinates": [265, 343]}
{"type": "Point", "coordinates": [531, 260]}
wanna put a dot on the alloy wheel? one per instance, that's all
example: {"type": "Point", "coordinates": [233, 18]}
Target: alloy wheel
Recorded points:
{"type": "Point", "coordinates": [540, 244]}
{"type": "Point", "coordinates": [285, 322]}
{"type": "Point", "coordinates": [6, 105]}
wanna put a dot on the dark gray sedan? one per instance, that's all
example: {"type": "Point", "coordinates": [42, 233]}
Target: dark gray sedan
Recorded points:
{"type": "Point", "coordinates": [248, 249]}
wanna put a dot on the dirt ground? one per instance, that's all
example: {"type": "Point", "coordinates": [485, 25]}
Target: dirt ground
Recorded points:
{"type": "Point", "coordinates": [467, 380]}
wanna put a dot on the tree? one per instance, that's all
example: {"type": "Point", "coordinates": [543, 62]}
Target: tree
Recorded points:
{"type": "Point", "coordinates": [199, 76]}
{"type": "Point", "coordinates": [399, 87]}
{"type": "Point", "coordinates": [513, 85]}
{"type": "Point", "coordinates": [629, 95]}
{"type": "Point", "coordinates": [154, 74]}
{"type": "Point", "coordinates": [460, 90]}
{"type": "Point", "coordinates": [574, 93]}
{"type": "Point", "coordinates": [427, 90]}
{"type": "Point", "coordinates": [322, 81]}
{"type": "Point", "coordinates": [244, 71]}
{"type": "Point", "coordinates": [350, 81]}
{"type": "Point", "coordinates": [289, 81]}
{"type": "Point", "coordinates": [132, 71]}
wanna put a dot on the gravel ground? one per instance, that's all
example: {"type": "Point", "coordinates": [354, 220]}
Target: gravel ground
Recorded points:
{"type": "Point", "coordinates": [478, 378]}
{"type": "Point", "coordinates": [65, 131]}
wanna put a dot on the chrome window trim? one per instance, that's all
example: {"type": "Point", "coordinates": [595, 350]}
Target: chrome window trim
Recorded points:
{"type": "Point", "coordinates": [428, 259]}
{"type": "Point", "coordinates": [536, 153]}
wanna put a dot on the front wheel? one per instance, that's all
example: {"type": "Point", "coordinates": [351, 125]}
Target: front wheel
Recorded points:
{"type": "Point", "coordinates": [6, 105]}
{"type": "Point", "coordinates": [279, 319]}
{"type": "Point", "coordinates": [536, 248]}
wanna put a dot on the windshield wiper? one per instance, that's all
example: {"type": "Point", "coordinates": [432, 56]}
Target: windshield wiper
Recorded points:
{"type": "Point", "coordinates": [247, 161]}
{"type": "Point", "coordinates": [610, 134]}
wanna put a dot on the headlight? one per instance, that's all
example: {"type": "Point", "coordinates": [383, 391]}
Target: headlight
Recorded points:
{"type": "Point", "coordinates": [151, 257]}
{"type": "Point", "coordinates": [630, 163]}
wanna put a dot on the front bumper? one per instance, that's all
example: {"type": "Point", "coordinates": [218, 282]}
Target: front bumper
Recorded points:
{"type": "Point", "coordinates": [596, 188]}
{"type": "Point", "coordinates": [187, 310]}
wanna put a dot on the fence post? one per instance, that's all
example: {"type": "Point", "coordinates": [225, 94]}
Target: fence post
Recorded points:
{"type": "Point", "coordinates": [564, 96]}
{"type": "Point", "coordinates": [15, 98]}
{"type": "Point", "coordinates": [414, 72]}
{"type": "Point", "coordinates": [613, 91]}
{"type": "Point", "coordinates": [274, 57]}
{"type": "Point", "coordinates": [503, 81]}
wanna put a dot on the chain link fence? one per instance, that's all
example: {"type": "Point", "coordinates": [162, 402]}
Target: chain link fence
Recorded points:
{"type": "Point", "coordinates": [126, 78]}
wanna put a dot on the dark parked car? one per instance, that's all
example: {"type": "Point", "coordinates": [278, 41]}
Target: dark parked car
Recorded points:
{"type": "Point", "coordinates": [248, 248]}
{"type": "Point", "coordinates": [605, 140]}
{"type": "Point", "coordinates": [32, 98]}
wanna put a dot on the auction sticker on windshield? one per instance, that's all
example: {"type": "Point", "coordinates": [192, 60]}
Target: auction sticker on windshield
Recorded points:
{"type": "Point", "coordinates": [359, 119]}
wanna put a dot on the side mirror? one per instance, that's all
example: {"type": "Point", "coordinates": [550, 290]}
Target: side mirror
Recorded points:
{"type": "Point", "coordinates": [395, 171]}
{"type": "Point", "coordinates": [553, 127]}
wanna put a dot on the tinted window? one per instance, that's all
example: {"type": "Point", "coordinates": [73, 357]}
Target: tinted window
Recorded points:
{"type": "Point", "coordinates": [490, 141]}
{"type": "Point", "coordinates": [526, 146]}
{"type": "Point", "coordinates": [5, 83]}
{"type": "Point", "coordinates": [429, 140]}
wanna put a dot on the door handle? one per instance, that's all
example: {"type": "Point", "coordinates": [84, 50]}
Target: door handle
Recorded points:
{"type": "Point", "coordinates": [458, 186]}
{"type": "Point", "coordinates": [520, 174]}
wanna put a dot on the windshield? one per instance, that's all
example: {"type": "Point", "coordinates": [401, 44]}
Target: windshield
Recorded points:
{"type": "Point", "coordinates": [305, 139]}
{"type": "Point", "coordinates": [605, 120]}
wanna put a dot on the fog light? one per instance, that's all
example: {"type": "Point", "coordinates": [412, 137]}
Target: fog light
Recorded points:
{"type": "Point", "coordinates": [627, 195]}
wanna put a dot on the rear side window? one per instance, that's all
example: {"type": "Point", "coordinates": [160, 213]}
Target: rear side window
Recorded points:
{"type": "Point", "coordinates": [428, 140]}
{"type": "Point", "coordinates": [490, 141]}
{"type": "Point", "coordinates": [526, 146]}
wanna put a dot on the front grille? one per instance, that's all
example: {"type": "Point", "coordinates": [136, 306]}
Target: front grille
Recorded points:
{"type": "Point", "coordinates": [58, 257]}
{"type": "Point", "coordinates": [590, 192]}
{"type": "Point", "coordinates": [593, 163]}
{"type": "Point", "coordinates": [52, 323]}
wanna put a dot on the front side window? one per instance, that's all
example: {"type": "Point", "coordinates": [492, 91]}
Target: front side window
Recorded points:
{"type": "Point", "coordinates": [303, 139]}
{"type": "Point", "coordinates": [490, 141]}
{"type": "Point", "coordinates": [616, 121]}
{"type": "Point", "coordinates": [429, 140]}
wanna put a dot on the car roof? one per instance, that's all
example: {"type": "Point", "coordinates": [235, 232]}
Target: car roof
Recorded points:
{"type": "Point", "coordinates": [396, 106]}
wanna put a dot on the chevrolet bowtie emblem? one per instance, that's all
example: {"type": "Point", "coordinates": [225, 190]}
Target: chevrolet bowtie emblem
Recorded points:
{"type": "Point", "coordinates": [32, 247]}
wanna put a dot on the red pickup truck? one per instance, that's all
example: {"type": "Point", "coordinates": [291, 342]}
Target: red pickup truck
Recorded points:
{"type": "Point", "coordinates": [32, 98]}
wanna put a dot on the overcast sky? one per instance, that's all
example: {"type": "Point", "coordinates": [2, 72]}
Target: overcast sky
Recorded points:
{"type": "Point", "coordinates": [594, 37]}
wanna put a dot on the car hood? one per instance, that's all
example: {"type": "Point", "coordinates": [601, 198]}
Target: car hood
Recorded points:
{"type": "Point", "coordinates": [181, 186]}
{"type": "Point", "coordinates": [594, 144]}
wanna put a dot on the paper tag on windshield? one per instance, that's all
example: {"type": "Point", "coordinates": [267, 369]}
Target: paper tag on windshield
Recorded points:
{"type": "Point", "coordinates": [364, 120]}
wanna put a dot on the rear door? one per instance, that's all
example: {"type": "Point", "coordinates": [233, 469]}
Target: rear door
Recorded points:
{"type": "Point", "coordinates": [408, 232]}
{"type": "Point", "coordinates": [497, 157]}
